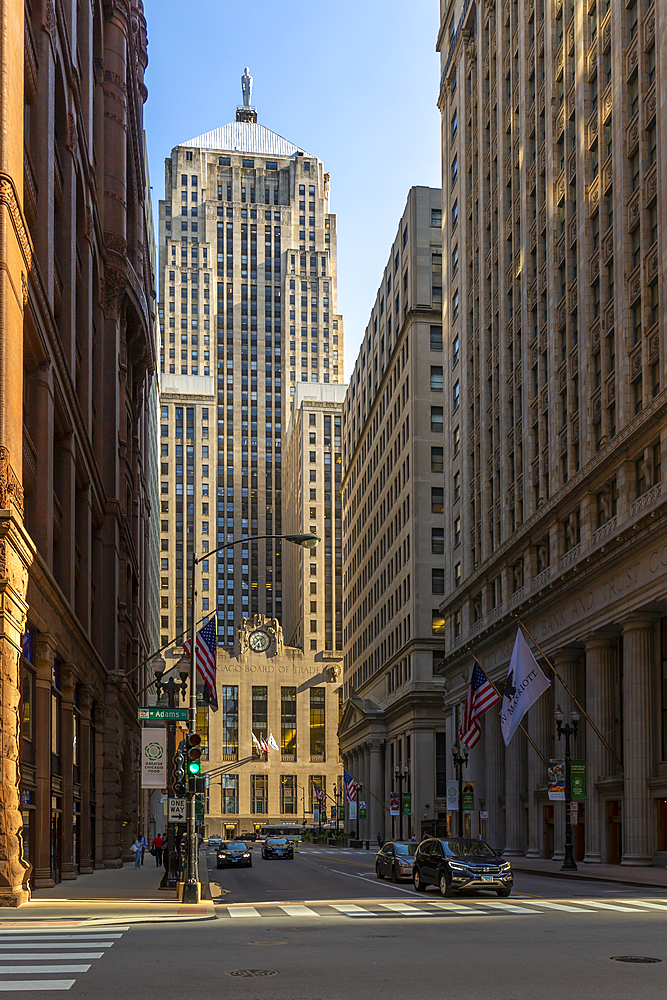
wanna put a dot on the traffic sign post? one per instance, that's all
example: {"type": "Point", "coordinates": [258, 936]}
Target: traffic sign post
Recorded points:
{"type": "Point", "coordinates": [177, 810]}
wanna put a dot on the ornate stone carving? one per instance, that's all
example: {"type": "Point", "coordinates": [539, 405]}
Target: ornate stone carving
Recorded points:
{"type": "Point", "coordinates": [334, 671]}
{"type": "Point", "coordinates": [11, 490]}
{"type": "Point", "coordinates": [50, 18]}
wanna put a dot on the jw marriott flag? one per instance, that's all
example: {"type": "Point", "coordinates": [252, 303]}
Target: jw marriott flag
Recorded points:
{"type": "Point", "coordinates": [524, 685]}
{"type": "Point", "coordinates": [207, 647]}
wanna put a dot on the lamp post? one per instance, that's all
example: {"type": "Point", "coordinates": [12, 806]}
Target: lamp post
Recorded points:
{"type": "Point", "coordinates": [569, 864]}
{"type": "Point", "coordinates": [401, 776]}
{"type": "Point", "coordinates": [460, 758]}
{"type": "Point", "coordinates": [171, 689]}
{"type": "Point", "coordinates": [192, 886]}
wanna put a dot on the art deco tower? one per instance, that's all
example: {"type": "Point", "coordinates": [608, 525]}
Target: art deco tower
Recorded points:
{"type": "Point", "coordinates": [247, 284]}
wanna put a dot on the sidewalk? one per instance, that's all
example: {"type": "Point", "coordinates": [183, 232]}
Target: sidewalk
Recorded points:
{"type": "Point", "coordinates": [643, 877]}
{"type": "Point", "coordinates": [107, 896]}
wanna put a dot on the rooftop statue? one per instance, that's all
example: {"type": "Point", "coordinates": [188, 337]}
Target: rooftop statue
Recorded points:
{"type": "Point", "coordinates": [246, 87]}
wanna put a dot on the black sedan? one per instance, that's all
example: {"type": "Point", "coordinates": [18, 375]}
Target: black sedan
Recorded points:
{"type": "Point", "coordinates": [394, 860]}
{"type": "Point", "coordinates": [235, 854]}
{"type": "Point", "coordinates": [455, 864]}
{"type": "Point", "coordinates": [277, 847]}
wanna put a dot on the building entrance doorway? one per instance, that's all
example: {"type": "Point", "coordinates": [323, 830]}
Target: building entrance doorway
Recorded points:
{"type": "Point", "coordinates": [662, 824]}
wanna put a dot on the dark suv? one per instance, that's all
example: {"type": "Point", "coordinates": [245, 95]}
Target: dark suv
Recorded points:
{"type": "Point", "coordinates": [454, 864]}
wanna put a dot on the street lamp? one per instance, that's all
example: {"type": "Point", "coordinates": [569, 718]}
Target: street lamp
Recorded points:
{"type": "Point", "coordinates": [569, 864]}
{"type": "Point", "coordinates": [460, 757]}
{"type": "Point", "coordinates": [401, 776]}
{"type": "Point", "coordinates": [171, 689]}
{"type": "Point", "coordinates": [192, 886]}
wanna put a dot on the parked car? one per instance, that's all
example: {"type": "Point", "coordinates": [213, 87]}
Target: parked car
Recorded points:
{"type": "Point", "coordinates": [277, 847]}
{"type": "Point", "coordinates": [214, 840]}
{"type": "Point", "coordinates": [234, 854]}
{"type": "Point", "coordinates": [394, 860]}
{"type": "Point", "coordinates": [455, 864]}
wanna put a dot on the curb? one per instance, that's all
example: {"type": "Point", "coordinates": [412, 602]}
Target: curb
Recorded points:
{"type": "Point", "coordinates": [585, 877]}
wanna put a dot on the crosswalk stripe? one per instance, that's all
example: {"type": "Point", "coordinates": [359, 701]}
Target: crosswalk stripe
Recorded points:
{"type": "Point", "coordinates": [563, 906]}
{"type": "Point", "coordinates": [405, 909]}
{"type": "Point", "coordinates": [242, 911]}
{"type": "Point", "coordinates": [36, 984]}
{"type": "Point", "coordinates": [6, 970]}
{"type": "Point", "coordinates": [54, 944]}
{"type": "Point", "coordinates": [452, 907]}
{"type": "Point", "coordinates": [97, 938]}
{"type": "Point", "coordinates": [36, 956]}
{"type": "Point", "coordinates": [598, 904]}
{"type": "Point", "coordinates": [495, 904]}
{"type": "Point", "coordinates": [299, 911]}
{"type": "Point", "coordinates": [348, 908]}
{"type": "Point", "coordinates": [651, 905]}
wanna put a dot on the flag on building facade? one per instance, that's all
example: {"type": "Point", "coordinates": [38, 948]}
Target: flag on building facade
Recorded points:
{"type": "Point", "coordinates": [351, 786]}
{"type": "Point", "coordinates": [272, 742]}
{"type": "Point", "coordinates": [525, 683]}
{"type": "Point", "coordinates": [481, 696]}
{"type": "Point", "coordinates": [321, 796]}
{"type": "Point", "coordinates": [256, 743]}
{"type": "Point", "coordinates": [207, 647]}
{"type": "Point", "coordinates": [263, 743]}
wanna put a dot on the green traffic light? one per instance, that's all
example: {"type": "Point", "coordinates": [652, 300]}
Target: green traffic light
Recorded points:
{"type": "Point", "coordinates": [194, 767]}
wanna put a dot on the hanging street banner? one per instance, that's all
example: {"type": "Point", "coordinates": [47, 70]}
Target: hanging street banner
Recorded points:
{"type": "Point", "coordinates": [556, 780]}
{"type": "Point", "coordinates": [166, 714]}
{"type": "Point", "coordinates": [352, 809]}
{"type": "Point", "coordinates": [578, 780]}
{"type": "Point", "coordinates": [407, 803]}
{"type": "Point", "coordinates": [362, 809]}
{"type": "Point", "coordinates": [333, 813]}
{"type": "Point", "coordinates": [153, 758]}
{"type": "Point", "coordinates": [393, 805]}
{"type": "Point", "coordinates": [452, 796]}
{"type": "Point", "coordinates": [469, 796]}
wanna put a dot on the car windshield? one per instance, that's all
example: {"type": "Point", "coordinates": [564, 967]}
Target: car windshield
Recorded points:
{"type": "Point", "coordinates": [467, 849]}
{"type": "Point", "coordinates": [236, 846]}
{"type": "Point", "coordinates": [408, 850]}
{"type": "Point", "coordinates": [277, 841]}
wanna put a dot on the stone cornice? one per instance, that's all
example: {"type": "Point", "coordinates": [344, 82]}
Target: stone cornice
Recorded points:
{"type": "Point", "coordinates": [536, 526]}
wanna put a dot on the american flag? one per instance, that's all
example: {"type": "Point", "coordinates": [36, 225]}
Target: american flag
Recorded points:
{"type": "Point", "coordinates": [351, 786]}
{"type": "Point", "coordinates": [481, 696]}
{"type": "Point", "coordinates": [207, 645]}
{"type": "Point", "coordinates": [321, 796]}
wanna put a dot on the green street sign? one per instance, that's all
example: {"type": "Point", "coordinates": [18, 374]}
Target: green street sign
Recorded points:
{"type": "Point", "coordinates": [578, 780]}
{"type": "Point", "coordinates": [164, 714]}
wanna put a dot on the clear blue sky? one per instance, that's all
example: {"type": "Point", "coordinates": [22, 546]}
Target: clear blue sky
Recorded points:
{"type": "Point", "coordinates": [354, 83]}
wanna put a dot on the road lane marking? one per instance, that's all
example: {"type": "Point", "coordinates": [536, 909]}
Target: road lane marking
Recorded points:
{"type": "Point", "coordinates": [452, 907]}
{"type": "Point", "coordinates": [645, 902]}
{"type": "Point", "coordinates": [495, 904]}
{"type": "Point", "coordinates": [405, 909]}
{"type": "Point", "coordinates": [37, 956]}
{"type": "Point", "coordinates": [13, 970]}
{"type": "Point", "coordinates": [299, 911]}
{"type": "Point", "coordinates": [348, 908]}
{"type": "Point", "coordinates": [243, 911]}
{"type": "Point", "coordinates": [96, 938]}
{"type": "Point", "coordinates": [598, 904]}
{"type": "Point", "coordinates": [54, 944]}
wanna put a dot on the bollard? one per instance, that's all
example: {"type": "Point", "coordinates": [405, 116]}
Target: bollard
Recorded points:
{"type": "Point", "coordinates": [296, 844]}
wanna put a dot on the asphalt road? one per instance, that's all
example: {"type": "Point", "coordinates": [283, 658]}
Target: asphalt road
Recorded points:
{"type": "Point", "coordinates": [322, 927]}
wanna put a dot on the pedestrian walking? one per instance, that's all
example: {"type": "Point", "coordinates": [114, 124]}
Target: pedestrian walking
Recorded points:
{"type": "Point", "coordinates": [144, 847]}
{"type": "Point", "coordinates": [136, 850]}
{"type": "Point", "coordinates": [379, 839]}
{"type": "Point", "coordinates": [157, 846]}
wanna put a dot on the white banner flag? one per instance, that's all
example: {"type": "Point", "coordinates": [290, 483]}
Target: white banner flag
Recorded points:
{"type": "Point", "coordinates": [153, 758]}
{"type": "Point", "coordinates": [524, 685]}
{"type": "Point", "coordinates": [452, 796]}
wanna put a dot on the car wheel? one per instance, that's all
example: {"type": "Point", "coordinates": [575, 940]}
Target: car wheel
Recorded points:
{"type": "Point", "coordinates": [503, 892]}
{"type": "Point", "coordinates": [378, 872]}
{"type": "Point", "coordinates": [394, 874]}
{"type": "Point", "coordinates": [250, 864]}
{"type": "Point", "coordinates": [418, 881]}
{"type": "Point", "coordinates": [445, 887]}
{"type": "Point", "coordinates": [218, 865]}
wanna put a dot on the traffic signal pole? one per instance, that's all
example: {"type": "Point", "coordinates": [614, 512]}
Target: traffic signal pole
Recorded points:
{"type": "Point", "coordinates": [192, 886]}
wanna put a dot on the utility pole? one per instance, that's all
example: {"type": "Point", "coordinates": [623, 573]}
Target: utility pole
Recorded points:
{"type": "Point", "coordinates": [171, 689]}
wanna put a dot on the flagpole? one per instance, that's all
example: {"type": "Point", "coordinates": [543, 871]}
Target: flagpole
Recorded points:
{"type": "Point", "coordinates": [577, 703]}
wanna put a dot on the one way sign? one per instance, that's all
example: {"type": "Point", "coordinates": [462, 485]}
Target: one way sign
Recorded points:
{"type": "Point", "coordinates": [177, 810]}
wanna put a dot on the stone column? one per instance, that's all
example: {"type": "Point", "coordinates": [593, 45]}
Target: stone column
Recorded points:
{"type": "Point", "coordinates": [566, 662]}
{"type": "Point", "coordinates": [495, 768]}
{"type": "Point", "coordinates": [376, 787]}
{"type": "Point", "coordinates": [538, 719]}
{"type": "Point", "coordinates": [85, 752]}
{"type": "Point", "coordinates": [44, 655]}
{"type": "Point", "coordinates": [638, 643]}
{"type": "Point", "coordinates": [600, 663]}
{"type": "Point", "coordinates": [67, 681]}
{"type": "Point", "coordinates": [514, 818]}
{"type": "Point", "coordinates": [364, 778]}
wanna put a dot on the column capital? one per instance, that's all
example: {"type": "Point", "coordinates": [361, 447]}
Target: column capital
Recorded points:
{"type": "Point", "coordinates": [375, 745]}
{"type": "Point", "coordinates": [638, 620]}
{"type": "Point", "coordinates": [602, 639]}
{"type": "Point", "coordinates": [568, 654]}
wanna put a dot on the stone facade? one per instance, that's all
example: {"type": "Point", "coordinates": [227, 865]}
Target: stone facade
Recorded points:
{"type": "Point", "coordinates": [282, 692]}
{"type": "Point", "coordinates": [76, 318]}
{"type": "Point", "coordinates": [552, 153]}
{"type": "Point", "coordinates": [393, 542]}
